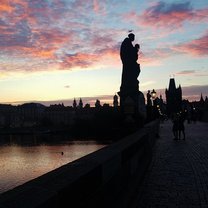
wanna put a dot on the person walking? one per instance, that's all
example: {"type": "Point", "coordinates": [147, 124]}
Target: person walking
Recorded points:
{"type": "Point", "coordinates": [181, 128]}
{"type": "Point", "coordinates": [175, 126]}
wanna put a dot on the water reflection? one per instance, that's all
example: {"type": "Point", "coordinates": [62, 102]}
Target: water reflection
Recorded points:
{"type": "Point", "coordinates": [24, 158]}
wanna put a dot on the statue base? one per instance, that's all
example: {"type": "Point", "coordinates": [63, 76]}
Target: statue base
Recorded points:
{"type": "Point", "coordinates": [133, 106]}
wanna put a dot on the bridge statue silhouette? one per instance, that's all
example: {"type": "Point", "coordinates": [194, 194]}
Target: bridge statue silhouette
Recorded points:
{"type": "Point", "coordinates": [132, 100]}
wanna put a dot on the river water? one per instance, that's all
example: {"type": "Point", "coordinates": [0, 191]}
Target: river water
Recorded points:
{"type": "Point", "coordinates": [22, 160]}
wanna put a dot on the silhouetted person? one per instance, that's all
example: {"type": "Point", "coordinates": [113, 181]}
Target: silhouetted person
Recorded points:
{"type": "Point", "coordinates": [175, 127]}
{"type": "Point", "coordinates": [181, 127]}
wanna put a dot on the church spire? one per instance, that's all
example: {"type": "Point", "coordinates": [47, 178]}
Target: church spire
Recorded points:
{"type": "Point", "coordinates": [74, 103]}
{"type": "Point", "coordinates": [201, 99]}
{"type": "Point", "coordinates": [80, 103]}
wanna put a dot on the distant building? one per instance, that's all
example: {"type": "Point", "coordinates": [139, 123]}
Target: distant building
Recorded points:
{"type": "Point", "coordinates": [201, 108]}
{"type": "Point", "coordinates": [58, 115]}
{"type": "Point", "coordinates": [173, 97]}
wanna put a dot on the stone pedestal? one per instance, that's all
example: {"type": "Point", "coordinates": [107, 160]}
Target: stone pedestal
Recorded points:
{"type": "Point", "coordinates": [133, 106]}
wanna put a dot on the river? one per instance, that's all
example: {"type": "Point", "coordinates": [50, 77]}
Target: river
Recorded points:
{"type": "Point", "coordinates": [23, 158]}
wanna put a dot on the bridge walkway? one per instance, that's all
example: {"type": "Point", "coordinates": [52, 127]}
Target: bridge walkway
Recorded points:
{"type": "Point", "coordinates": [178, 174]}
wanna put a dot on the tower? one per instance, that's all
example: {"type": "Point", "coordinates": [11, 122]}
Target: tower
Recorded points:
{"type": "Point", "coordinates": [173, 97]}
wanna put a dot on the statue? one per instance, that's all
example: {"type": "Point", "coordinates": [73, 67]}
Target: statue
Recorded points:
{"type": "Point", "coordinates": [129, 88]}
{"type": "Point", "coordinates": [149, 102]}
{"type": "Point", "coordinates": [131, 69]}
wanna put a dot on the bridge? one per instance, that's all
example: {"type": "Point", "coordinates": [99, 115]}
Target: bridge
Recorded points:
{"type": "Point", "coordinates": [178, 173]}
{"type": "Point", "coordinates": [141, 170]}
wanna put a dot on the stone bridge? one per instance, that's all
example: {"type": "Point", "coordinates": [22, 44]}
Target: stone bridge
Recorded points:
{"type": "Point", "coordinates": [108, 177]}
{"type": "Point", "coordinates": [140, 170]}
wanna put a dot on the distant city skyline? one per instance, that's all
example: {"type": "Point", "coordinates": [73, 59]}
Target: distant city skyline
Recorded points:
{"type": "Point", "coordinates": [189, 93]}
{"type": "Point", "coordinates": [56, 50]}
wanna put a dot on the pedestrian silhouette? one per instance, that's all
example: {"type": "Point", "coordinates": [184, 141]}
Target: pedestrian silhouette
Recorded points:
{"type": "Point", "coordinates": [181, 127]}
{"type": "Point", "coordinates": [175, 128]}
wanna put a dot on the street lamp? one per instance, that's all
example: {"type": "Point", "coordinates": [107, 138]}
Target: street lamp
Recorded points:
{"type": "Point", "coordinates": [153, 94]}
{"type": "Point", "coordinates": [154, 104]}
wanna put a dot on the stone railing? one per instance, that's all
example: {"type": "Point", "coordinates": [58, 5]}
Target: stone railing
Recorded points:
{"type": "Point", "coordinates": [108, 177]}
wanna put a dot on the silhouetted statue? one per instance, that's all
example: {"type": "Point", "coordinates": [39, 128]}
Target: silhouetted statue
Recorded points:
{"type": "Point", "coordinates": [149, 103]}
{"type": "Point", "coordinates": [97, 104]}
{"type": "Point", "coordinates": [115, 101]}
{"type": "Point", "coordinates": [129, 89]}
{"type": "Point", "coordinates": [137, 66]}
{"type": "Point", "coordinates": [131, 69]}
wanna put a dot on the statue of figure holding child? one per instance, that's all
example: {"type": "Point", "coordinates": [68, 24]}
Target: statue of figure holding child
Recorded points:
{"type": "Point", "coordinates": [129, 89]}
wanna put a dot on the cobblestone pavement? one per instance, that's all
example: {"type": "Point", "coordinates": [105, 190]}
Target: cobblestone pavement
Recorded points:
{"type": "Point", "coordinates": [178, 174]}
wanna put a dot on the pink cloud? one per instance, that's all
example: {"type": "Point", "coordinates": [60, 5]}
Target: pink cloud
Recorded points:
{"type": "Point", "coordinates": [107, 56]}
{"type": "Point", "coordinates": [193, 92]}
{"type": "Point", "coordinates": [196, 73]}
{"type": "Point", "coordinates": [154, 57]}
{"type": "Point", "coordinates": [197, 47]}
{"type": "Point", "coordinates": [37, 43]}
{"type": "Point", "coordinates": [186, 72]}
{"type": "Point", "coordinates": [96, 6]}
{"type": "Point", "coordinates": [82, 60]}
{"type": "Point", "coordinates": [169, 16]}
{"type": "Point", "coordinates": [5, 6]}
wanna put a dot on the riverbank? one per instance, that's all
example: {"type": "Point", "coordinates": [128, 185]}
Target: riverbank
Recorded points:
{"type": "Point", "coordinates": [83, 131]}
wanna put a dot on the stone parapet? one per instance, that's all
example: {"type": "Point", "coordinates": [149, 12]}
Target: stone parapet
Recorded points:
{"type": "Point", "coordinates": [108, 177]}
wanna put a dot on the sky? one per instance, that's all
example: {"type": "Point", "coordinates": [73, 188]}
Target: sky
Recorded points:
{"type": "Point", "coordinates": [53, 51]}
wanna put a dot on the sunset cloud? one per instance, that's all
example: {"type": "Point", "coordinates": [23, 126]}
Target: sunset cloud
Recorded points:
{"type": "Point", "coordinates": [96, 6]}
{"type": "Point", "coordinates": [185, 72]}
{"type": "Point", "coordinates": [168, 16]}
{"type": "Point", "coordinates": [193, 92]}
{"type": "Point", "coordinates": [82, 60]}
{"type": "Point", "coordinates": [196, 73]}
{"type": "Point", "coordinates": [154, 57]}
{"type": "Point", "coordinates": [55, 38]}
{"type": "Point", "coordinates": [6, 7]}
{"type": "Point", "coordinates": [106, 56]}
{"type": "Point", "coordinates": [197, 47]}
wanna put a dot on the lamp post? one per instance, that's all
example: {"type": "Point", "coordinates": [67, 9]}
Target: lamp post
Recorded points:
{"type": "Point", "coordinates": [154, 107]}
{"type": "Point", "coordinates": [153, 96]}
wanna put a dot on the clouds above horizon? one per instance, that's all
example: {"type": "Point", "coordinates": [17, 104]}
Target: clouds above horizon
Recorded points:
{"type": "Point", "coordinates": [45, 42]}
{"type": "Point", "coordinates": [196, 73]}
{"type": "Point", "coordinates": [54, 32]}
{"type": "Point", "coordinates": [197, 47]}
{"type": "Point", "coordinates": [169, 16]}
